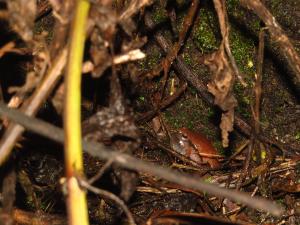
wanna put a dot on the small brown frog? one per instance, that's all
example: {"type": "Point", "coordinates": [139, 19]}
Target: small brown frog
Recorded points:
{"type": "Point", "coordinates": [195, 146]}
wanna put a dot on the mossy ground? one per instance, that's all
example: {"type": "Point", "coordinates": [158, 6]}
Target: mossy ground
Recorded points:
{"type": "Point", "coordinates": [280, 109]}
{"type": "Point", "coordinates": [204, 38]}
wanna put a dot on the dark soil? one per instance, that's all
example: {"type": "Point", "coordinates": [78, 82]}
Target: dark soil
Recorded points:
{"type": "Point", "coordinates": [274, 168]}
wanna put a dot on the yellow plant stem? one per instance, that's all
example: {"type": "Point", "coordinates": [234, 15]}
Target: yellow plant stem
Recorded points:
{"type": "Point", "coordinates": [76, 202]}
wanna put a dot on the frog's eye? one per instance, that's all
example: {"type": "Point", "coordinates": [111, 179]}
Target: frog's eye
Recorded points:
{"type": "Point", "coordinates": [183, 135]}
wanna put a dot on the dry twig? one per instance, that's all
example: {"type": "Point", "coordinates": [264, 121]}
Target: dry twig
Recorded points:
{"type": "Point", "coordinates": [184, 71]}
{"type": "Point", "coordinates": [129, 162]}
{"type": "Point", "coordinates": [277, 33]}
{"type": "Point", "coordinates": [110, 196]}
{"type": "Point", "coordinates": [31, 106]}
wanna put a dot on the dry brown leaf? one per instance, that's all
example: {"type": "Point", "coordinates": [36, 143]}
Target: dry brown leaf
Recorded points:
{"type": "Point", "coordinates": [224, 68]}
{"type": "Point", "coordinates": [226, 126]}
{"type": "Point", "coordinates": [221, 88]}
{"type": "Point", "coordinates": [225, 28]}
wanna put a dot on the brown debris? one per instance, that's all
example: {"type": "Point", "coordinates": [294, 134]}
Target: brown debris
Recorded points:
{"type": "Point", "coordinates": [133, 170]}
{"type": "Point", "coordinates": [277, 34]}
{"type": "Point", "coordinates": [22, 16]}
{"type": "Point", "coordinates": [221, 88]}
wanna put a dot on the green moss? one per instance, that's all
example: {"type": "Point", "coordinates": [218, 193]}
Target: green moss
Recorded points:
{"type": "Point", "coordinates": [274, 3]}
{"type": "Point", "coordinates": [246, 100]}
{"type": "Point", "coordinates": [283, 12]}
{"type": "Point", "coordinates": [297, 170]}
{"type": "Point", "coordinates": [182, 115]}
{"type": "Point", "coordinates": [45, 25]}
{"type": "Point", "coordinates": [232, 4]}
{"type": "Point", "coordinates": [141, 98]}
{"type": "Point", "coordinates": [219, 147]}
{"type": "Point", "coordinates": [243, 50]}
{"type": "Point", "coordinates": [172, 119]}
{"type": "Point", "coordinates": [193, 90]}
{"type": "Point", "coordinates": [234, 8]}
{"type": "Point", "coordinates": [187, 59]}
{"type": "Point", "coordinates": [208, 180]}
{"type": "Point", "coordinates": [297, 48]}
{"type": "Point", "coordinates": [191, 112]}
{"type": "Point", "coordinates": [211, 113]}
{"type": "Point", "coordinates": [244, 110]}
{"type": "Point", "coordinates": [238, 88]}
{"type": "Point", "coordinates": [159, 14]}
{"type": "Point", "coordinates": [29, 202]}
{"type": "Point", "coordinates": [297, 136]}
{"type": "Point", "coordinates": [203, 33]}
{"type": "Point", "coordinates": [264, 121]}
{"type": "Point", "coordinates": [153, 58]}
{"type": "Point", "coordinates": [255, 25]}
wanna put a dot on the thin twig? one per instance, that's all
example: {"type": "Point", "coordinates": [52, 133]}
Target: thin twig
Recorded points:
{"type": "Point", "coordinates": [257, 89]}
{"type": "Point", "coordinates": [132, 55]}
{"type": "Point", "coordinates": [173, 52]}
{"type": "Point", "coordinates": [256, 112]}
{"type": "Point", "coordinates": [224, 26]}
{"type": "Point", "coordinates": [163, 104]}
{"type": "Point", "coordinates": [258, 81]}
{"type": "Point", "coordinates": [167, 62]}
{"type": "Point", "coordinates": [31, 106]}
{"type": "Point", "coordinates": [133, 8]}
{"type": "Point", "coordinates": [110, 196]}
{"type": "Point", "coordinates": [103, 152]}
{"type": "Point", "coordinates": [276, 32]}
{"type": "Point", "coordinates": [101, 171]}
{"type": "Point", "coordinates": [253, 146]}
{"type": "Point", "coordinates": [245, 172]}
{"type": "Point", "coordinates": [193, 79]}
